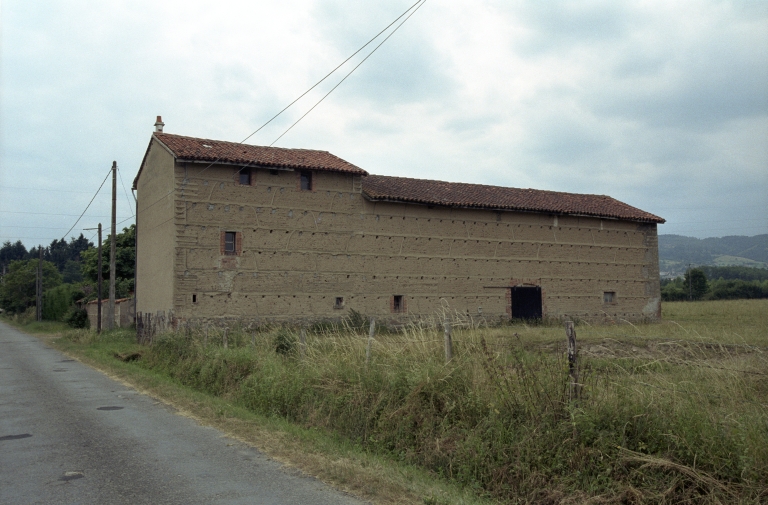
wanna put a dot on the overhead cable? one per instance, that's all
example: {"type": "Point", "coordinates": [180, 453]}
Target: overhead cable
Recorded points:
{"type": "Point", "coordinates": [86, 207]}
{"type": "Point", "coordinates": [413, 8]}
{"type": "Point", "coordinates": [350, 72]}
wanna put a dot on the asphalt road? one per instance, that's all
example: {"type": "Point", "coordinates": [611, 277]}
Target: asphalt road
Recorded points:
{"type": "Point", "coordinates": [71, 435]}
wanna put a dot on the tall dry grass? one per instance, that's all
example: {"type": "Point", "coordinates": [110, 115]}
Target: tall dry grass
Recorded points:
{"type": "Point", "coordinates": [670, 413]}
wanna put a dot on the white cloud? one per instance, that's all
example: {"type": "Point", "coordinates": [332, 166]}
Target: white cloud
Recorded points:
{"type": "Point", "coordinates": [662, 105]}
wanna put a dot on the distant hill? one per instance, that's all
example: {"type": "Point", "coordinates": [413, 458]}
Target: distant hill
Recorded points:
{"type": "Point", "coordinates": [677, 251]}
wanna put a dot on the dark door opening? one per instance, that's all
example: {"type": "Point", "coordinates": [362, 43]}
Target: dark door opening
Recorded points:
{"type": "Point", "coordinates": [526, 302]}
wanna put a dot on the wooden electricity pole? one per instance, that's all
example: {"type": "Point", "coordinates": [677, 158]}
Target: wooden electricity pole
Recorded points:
{"type": "Point", "coordinates": [98, 287]}
{"type": "Point", "coordinates": [39, 285]}
{"type": "Point", "coordinates": [112, 259]}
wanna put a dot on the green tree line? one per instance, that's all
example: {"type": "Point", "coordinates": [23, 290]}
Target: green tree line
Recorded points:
{"type": "Point", "coordinates": [733, 283]}
{"type": "Point", "coordinates": [70, 273]}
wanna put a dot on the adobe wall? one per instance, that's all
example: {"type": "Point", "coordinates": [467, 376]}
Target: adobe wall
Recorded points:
{"type": "Point", "coordinates": [156, 249]}
{"type": "Point", "coordinates": [301, 250]}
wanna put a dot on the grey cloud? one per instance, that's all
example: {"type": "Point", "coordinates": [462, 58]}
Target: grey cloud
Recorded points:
{"type": "Point", "coordinates": [567, 141]}
{"type": "Point", "coordinates": [405, 69]}
{"type": "Point", "coordinates": [718, 88]}
{"type": "Point", "coordinates": [555, 24]}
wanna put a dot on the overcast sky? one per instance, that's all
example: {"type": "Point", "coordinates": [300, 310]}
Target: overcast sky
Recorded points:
{"type": "Point", "coordinates": [663, 105]}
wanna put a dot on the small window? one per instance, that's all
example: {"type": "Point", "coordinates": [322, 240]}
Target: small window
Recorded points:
{"type": "Point", "coordinates": [273, 172]}
{"type": "Point", "coordinates": [609, 297]}
{"type": "Point", "coordinates": [229, 243]}
{"type": "Point", "coordinates": [245, 177]}
{"type": "Point", "coordinates": [194, 298]}
{"type": "Point", "coordinates": [397, 303]}
{"type": "Point", "coordinates": [306, 180]}
{"type": "Point", "coordinates": [339, 303]}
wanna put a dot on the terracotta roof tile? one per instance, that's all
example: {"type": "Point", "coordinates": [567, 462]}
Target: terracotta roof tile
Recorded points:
{"type": "Point", "coordinates": [205, 150]}
{"type": "Point", "coordinates": [457, 194]}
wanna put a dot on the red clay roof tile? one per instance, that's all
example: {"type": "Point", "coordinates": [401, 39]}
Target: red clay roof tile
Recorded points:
{"type": "Point", "coordinates": [402, 189]}
{"type": "Point", "coordinates": [205, 150]}
{"type": "Point", "coordinates": [458, 194]}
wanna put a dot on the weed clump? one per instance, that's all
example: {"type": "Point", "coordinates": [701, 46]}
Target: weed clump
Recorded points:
{"type": "Point", "coordinates": [285, 342]}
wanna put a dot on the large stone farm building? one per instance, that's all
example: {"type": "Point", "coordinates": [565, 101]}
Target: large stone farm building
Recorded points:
{"type": "Point", "coordinates": [228, 230]}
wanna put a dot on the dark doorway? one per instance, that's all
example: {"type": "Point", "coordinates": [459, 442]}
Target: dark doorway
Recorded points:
{"type": "Point", "coordinates": [526, 302]}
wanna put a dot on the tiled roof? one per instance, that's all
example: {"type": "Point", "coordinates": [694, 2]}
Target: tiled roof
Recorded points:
{"type": "Point", "coordinates": [458, 194]}
{"type": "Point", "coordinates": [206, 150]}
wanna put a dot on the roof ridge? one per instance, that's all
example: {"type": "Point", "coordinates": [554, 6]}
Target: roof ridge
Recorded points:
{"type": "Point", "coordinates": [471, 195]}
{"type": "Point", "coordinates": [203, 150]}
{"type": "Point", "coordinates": [155, 134]}
{"type": "Point", "coordinates": [492, 186]}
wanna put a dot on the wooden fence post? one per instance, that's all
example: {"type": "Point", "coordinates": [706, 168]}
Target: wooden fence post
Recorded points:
{"type": "Point", "coordinates": [205, 338]}
{"type": "Point", "coordinates": [225, 337]}
{"type": "Point", "coordinates": [253, 339]}
{"type": "Point", "coordinates": [448, 341]}
{"type": "Point", "coordinates": [371, 332]}
{"type": "Point", "coordinates": [573, 370]}
{"type": "Point", "coordinates": [303, 343]}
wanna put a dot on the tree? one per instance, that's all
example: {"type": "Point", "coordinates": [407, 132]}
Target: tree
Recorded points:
{"type": "Point", "coordinates": [125, 261]}
{"type": "Point", "coordinates": [10, 252]}
{"type": "Point", "coordinates": [17, 292]}
{"type": "Point", "coordinates": [59, 301]}
{"type": "Point", "coordinates": [60, 252]}
{"type": "Point", "coordinates": [73, 272]}
{"type": "Point", "coordinates": [696, 282]}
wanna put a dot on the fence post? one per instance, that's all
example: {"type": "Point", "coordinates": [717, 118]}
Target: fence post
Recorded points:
{"type": "Point", "coordinates": [448, 341]}
{"type": "Point", "coordinates": [303, 343]}
{"type": "Point", "coordinates": [225, 337]}
{"type": "Point", "coordinates": [573, 370]}
{"type": "Point", "coordinates": [205, 339]}
{"type": "Point", "coordinates": [253, 339]}
{"type": "Point", "coordinates": [371, 331]}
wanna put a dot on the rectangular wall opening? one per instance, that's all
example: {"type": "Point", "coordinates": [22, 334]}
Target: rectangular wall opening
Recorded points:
{"type": "Point", "coordinates": [306, 180]}
{"type": "Point", "coordinates": [526, 302]}
{"type": "Point", "coordinates": [397, 303]}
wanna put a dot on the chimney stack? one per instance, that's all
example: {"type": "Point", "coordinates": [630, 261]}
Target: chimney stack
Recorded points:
{"type": "Point", "coordinates": [159, 124]}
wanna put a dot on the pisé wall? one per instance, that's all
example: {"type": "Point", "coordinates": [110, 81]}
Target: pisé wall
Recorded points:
{"type": "Point", "coordinates": [315, 254]}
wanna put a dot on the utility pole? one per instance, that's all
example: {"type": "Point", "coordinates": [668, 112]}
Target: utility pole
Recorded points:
{"type": "Point", "coordinates": [690, 290]}
{"type": "Point", "coordinates": [98, 288]}
{"type": "Point", "coordinates": [39, 285]}
{"type": "Point", "coordinates": [112, 259]}
{"type": "Point", "coordinates": [98, 282]}
{"type": "Point", "coordinates": [135, 259]}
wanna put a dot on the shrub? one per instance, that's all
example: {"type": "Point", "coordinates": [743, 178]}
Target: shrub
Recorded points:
{"type": "Point", "coordinates": [58, 301]}
{"type": "Point", "coordinates": [285, 342]}
{"type": "Point", "coordinates": [78, 318]}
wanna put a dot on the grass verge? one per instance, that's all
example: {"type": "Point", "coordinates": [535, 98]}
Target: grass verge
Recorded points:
{"type": "Point", "coordinates": [314, 451]}
{"type": "Point", "coordinates": [675, 412]}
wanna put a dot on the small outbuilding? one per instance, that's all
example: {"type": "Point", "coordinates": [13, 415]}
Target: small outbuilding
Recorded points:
{"type": "Point", "coordinates": [124, 312]}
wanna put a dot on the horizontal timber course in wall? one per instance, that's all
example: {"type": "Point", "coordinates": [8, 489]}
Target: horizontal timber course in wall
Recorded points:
{"type": "Point", "coordinates": [301, 250]}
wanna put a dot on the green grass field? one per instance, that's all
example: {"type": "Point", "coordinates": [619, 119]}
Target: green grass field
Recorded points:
{"type": "Point", "coordinates": [674, 412]}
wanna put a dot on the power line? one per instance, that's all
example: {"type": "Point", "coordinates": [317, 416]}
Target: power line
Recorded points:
{"type": "Point", "coordinates": [126, 193]}
{"type": "Point", "coordinates": [89, 204]}
{"type": "Point", "coordinates": [43, 214]}
{"type": "Point", "coordinates": [43, 189]}
{"type": "Point", "coordinates": [335, 69]}
{"type": "Point", "coordinates": [355, 68]}
{"type": "Point", "coordinates": [35, 227]}
{"type": "Point", "coordinates": [419, 3]}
